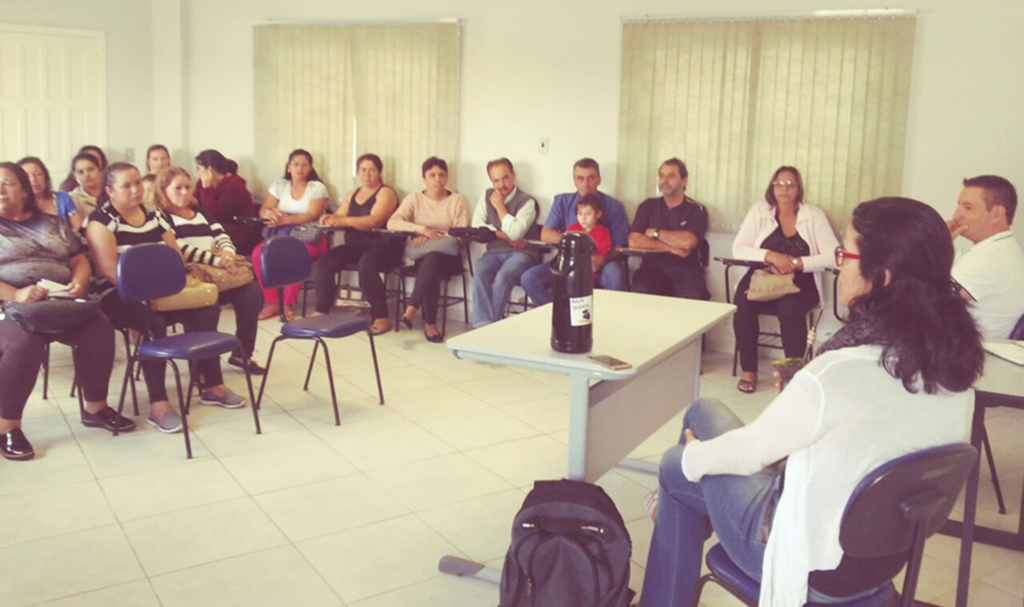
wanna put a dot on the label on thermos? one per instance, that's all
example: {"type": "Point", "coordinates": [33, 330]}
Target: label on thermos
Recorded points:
{"type": "Point", "coordinates": [581, 311]}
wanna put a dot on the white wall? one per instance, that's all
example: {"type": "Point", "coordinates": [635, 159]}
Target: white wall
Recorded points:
{"type": "Point", "coordinates": [129, 90]}
{"type": "Point", "coordinates": [540, 68]}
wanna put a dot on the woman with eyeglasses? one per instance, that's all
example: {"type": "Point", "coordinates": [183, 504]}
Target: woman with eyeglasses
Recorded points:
{"type": "Point", "coordinates": [895, 379]}
{"type": "Point", "coordinates": [791, 237]}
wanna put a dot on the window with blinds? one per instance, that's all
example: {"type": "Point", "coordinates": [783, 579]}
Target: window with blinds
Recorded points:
{"type": "Point", "coordinates": [342, 91]}
{"type": "Point", "coordinates": [737, 99]}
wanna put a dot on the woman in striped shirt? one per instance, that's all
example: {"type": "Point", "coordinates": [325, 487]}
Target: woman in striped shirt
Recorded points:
{"type": "Point", "coordinates": [122, 221]}
{"type": "Point", "coordinates": [203, 240]}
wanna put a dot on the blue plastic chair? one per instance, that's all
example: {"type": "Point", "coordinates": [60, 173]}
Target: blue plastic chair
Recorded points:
{"type": "Point", "coordinates": [150, 271]}
{"type": "Point", "coordinates": [286, 261]}
{"type": "Point", "coordinates": [891, 513]}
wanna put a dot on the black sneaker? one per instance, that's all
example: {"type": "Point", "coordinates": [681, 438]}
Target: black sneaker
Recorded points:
{"type": "Point", "coordinates": [107, 419]}
{"type": "Point", "coordinates": [14, 445]}
{"type": "Point", "coordinates": [237, 361]}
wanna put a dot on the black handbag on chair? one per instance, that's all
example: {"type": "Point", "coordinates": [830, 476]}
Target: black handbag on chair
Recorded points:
{"type": "Point", "coordinates": [52, 316]}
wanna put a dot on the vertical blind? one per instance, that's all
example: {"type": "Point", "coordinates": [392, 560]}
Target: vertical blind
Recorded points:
{"type": "Point", "coordinates": [341, 91]}
{"type": "Point", "coordinates": [737, 99]}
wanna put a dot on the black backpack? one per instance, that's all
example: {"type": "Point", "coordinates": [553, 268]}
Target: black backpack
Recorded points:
{"type": "Point", "coordinates": [569, 548]}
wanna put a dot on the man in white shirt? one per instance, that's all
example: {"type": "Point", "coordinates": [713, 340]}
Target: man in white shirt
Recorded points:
{"type": "Point", "coordinates": [510, 213]}
{"type": "Point", "coordinates": [991, 273]}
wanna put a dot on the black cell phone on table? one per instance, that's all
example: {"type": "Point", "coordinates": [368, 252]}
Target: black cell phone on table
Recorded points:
{"type": "Point", "coordinates": [610, 362]}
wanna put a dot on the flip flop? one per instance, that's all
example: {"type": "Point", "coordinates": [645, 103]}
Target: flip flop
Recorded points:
{"type": "Point", "coordinates": [746, 386]}
{"type": "Point", "coordinates": [375, 331]}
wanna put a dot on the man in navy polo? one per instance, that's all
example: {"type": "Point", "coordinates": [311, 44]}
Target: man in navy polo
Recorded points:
{"type": "Point", "coordinates": [586, 173]}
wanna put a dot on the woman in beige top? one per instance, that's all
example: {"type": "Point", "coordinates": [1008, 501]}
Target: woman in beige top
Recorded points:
{"type": "Point", "coordinates": [429, 214]}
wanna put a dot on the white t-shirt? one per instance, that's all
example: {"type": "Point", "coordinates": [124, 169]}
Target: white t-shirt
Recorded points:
{"type": "Point", "coordinates": [840, 417]}
{"type": "Point", "coordinates": [282, 190]}
{"type": "Point", "coordinates": [992, 271]}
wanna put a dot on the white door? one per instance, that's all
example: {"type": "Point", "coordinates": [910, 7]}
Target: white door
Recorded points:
{"type": "Point", "coordinates": [53, 94]}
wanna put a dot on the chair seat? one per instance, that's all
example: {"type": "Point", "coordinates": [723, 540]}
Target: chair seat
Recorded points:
{"type": "Point", "coordinates": [190, 346]}
{"type": "Point", "coordinates": [331, 325]}
{"type": "Point", "coordinates": [722, 566]}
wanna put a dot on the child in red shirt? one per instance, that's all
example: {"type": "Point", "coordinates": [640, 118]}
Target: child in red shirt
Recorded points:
{"type": "Point", "coordinates": [588, 218]}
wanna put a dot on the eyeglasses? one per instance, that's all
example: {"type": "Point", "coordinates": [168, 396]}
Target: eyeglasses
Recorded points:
{"type": "Point", "coordinates": [842, 256]}
{"type": "Point", "coordinates": [786, 184]}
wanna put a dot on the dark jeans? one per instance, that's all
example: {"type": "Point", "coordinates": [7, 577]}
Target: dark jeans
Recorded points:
{"type": "Point", "coordinates": [430, 270]}
{"type": "Point", "coordinates": [21, 354]}
{"type": "Point", "coordinates": [671, 280]}
{"type": "Point", "coordinates": [792, 312]}
{"type": "Point", "coordinates": [247, 301]}
{"type": "Point", "coordinates": [138, 317]}
{"type": "Point", "coordinates": [381, 256]}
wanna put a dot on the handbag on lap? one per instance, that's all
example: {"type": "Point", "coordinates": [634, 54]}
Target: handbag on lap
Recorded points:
{"type": "Point", "coordinates": [196, 294]}
{"type": "Point", "coordinates": [768, 286]}
{"type": "Point", "coordinates": [223, 279]}
{"type": "Point", "coordinates": [51, 316]}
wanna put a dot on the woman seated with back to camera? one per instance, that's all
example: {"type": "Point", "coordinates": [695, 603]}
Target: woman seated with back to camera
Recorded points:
{"type": "Point", "coordinates": [293, 203]}
{"type": "Point", "coordinates": [792, 237]}
{"type": "Point", "coordinates": [223, 195]}
{"type": "Point", "coordinates": [204, 241]}
{"type": "Point", "coordinates": [365, 208]}
{"type": "Point", "coordinates": [121, 222]}
{"type": "Point", "coordinates": [896, 379]}
{"type": "Point", "coordinates": [428, 215]}
{"type": "Point", "coordinates": [49, 201]}
{"type": "Point", "coordinates": [35, 245]}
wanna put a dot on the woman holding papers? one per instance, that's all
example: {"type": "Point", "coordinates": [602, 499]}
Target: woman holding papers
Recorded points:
{"type": "Point", "coordinates": [36, 247]}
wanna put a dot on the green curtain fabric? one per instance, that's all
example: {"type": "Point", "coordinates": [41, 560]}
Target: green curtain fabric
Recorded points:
{"type": "Point", "coordinates": [341, 91]}
{"type": "Point", "coordinates": [737, 99]}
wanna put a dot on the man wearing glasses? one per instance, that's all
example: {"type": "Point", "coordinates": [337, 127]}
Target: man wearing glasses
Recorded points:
{"type": "Point", "coordinates": [991, 273]}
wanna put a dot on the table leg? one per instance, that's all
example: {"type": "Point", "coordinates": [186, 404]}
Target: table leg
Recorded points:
{"type": "Point", "coordinates": [970, 510]}
{"type": "Point", "coordinates": [579, 411]}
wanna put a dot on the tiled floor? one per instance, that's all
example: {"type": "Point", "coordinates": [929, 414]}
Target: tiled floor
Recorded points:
{"type": "Point", "coordinates": [313, 514]}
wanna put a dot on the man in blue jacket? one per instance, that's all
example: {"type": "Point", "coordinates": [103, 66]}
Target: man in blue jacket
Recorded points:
{"type": "Point", "coordinates": [586, 173]}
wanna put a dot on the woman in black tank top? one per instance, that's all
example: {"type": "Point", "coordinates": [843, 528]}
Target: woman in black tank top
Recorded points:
{"type": "Point", "coordinates": [372, 252]}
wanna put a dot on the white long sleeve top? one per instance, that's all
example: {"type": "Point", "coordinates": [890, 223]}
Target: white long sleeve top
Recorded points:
{"type": "Point", "coordinates": [840, 417]}
{"type": "Point", "coordinates": [811, 224]}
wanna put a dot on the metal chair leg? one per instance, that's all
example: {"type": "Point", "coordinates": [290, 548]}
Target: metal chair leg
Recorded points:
{"type": "Point", "coordinates": [992, 469]}
{"type": "Point", "coordinates": [465, 299]}
{"type": "Point", "coordinates": [184, 405]}
{"type": "Point", "coordinates": [444, 309]}
{"type": "Point", "coordinates": [252, 400]}
{"type": "Point", "coordinates": [46, 371]}
{"type": "Point", "coordinates": [128, 354]}
{"type": "Point", "coordinates": [312, 359]}
{"type": "Point", "coordinates": [266, 374]}
{"type": "Point", "coordinates": [124, 390]}
{"type": "Point", "coordinates": [330, 380]}
{"type": "Point", "coordinates": [376, 369]}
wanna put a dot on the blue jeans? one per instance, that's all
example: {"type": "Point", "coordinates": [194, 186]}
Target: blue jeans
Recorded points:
{"type": "Point", "coordinates": [496, 274]}
{"type": "Point", "coordinates": [538, 281]}
{"type": "Point", "coordinates": [734, 506]}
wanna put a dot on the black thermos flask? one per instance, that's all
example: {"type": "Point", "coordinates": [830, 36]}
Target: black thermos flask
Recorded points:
{"type": "Point", "coordinates": [572, 309]}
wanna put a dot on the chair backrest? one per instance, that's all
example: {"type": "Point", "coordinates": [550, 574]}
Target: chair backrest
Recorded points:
{"type": "Point", "coordinates": [1018, 331]}
{"type": "Point", "coordinates": [877, 532]}
{"type": "Point", "coordinates": [877, 521]}
{"type": "Point", "coordinates": [703, 252]}
{"type": "Point", "coordinates": [284, 261]}
{"type": "Point", "coordinates": [149, 271]}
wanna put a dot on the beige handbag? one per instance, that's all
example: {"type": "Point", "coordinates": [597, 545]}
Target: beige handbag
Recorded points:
{"type": "Point", "coordinates": [767, 286]}
{"type": "Point", "coordinates": [196, 294]}
{"type": "Point", "coordinates": [223, 279]}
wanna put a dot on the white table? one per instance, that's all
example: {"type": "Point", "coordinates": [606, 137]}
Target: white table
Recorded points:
{"type": "Point", "coordinates": [659, 336]}
{"type": "Point", "coordinates": [1002, 385]}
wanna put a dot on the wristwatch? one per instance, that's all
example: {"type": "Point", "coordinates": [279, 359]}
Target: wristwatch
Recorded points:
{"type": "Point", "coordinates": [656, 234]}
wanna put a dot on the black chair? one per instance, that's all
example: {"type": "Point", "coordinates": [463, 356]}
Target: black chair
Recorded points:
{"type": "Point", "coordinates": [703, 253]}
{"type": "Point", "coordinates": [444, 300]}
{"type": "Point", "coordinates": [891, 513]}
{"type": "Point", "coordinates": [729, 264]}
{"type": "Point", "coordinates": [286, 261]}
{"type": "Point", "coordinates": [149, 271]}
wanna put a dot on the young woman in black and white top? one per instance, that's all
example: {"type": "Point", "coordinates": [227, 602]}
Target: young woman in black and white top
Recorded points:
{"type": "Point", "coordinates": [203, 240]}
{"type": "Point", "coordinates": [121, 222]}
